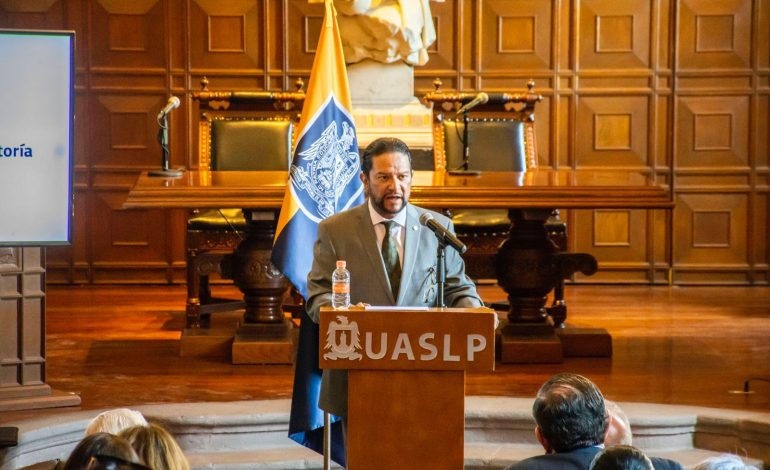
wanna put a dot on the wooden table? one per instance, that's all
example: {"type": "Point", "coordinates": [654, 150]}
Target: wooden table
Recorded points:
{"type": "Point", "coordinates": [528, 265]}
{"type": "Point", "coordinates": [538, 189]}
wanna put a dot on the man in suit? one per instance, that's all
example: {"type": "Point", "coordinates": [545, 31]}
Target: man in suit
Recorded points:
{"type": "Point", "coordinates": [571, 424]}
{"type": "Point", "coordinates": [390, 255]}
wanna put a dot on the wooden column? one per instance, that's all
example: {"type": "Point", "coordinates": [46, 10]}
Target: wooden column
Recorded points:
{"type": "Point", "coordinates": [22, 332]}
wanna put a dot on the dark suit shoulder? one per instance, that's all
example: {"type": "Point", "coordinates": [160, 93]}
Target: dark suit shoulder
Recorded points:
{"type": "Point", "coordinates": [344, 216]}
{"type": "Point", "coordinates": [660, 463]}
{"type": "Point", "coordinates": [579, 459]}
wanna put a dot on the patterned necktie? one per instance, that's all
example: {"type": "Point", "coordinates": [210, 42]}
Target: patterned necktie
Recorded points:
{"type": "Point", "coordinates": [390, 257]}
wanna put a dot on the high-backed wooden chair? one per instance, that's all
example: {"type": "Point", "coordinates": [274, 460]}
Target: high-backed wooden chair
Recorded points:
{"type": "Point", "coordinates": [501, 137]}
{"type": "Point", "coordinates": [237, 131]}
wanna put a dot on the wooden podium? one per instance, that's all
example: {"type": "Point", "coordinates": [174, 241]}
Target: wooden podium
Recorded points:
{"type": "Point", "coordinates": [406, 380]}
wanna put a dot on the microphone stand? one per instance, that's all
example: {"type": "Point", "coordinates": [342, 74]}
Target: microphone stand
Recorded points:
{"type": "Point", "coordinates": [441, 274]}
{"type": "Point", "coordinates": [165, 171]}
{"type": "Point", "coordinates": [466, 152]}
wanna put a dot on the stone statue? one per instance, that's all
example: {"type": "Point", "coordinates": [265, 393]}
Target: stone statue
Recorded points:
{"type": "Point", "coordinates": [385, 30]}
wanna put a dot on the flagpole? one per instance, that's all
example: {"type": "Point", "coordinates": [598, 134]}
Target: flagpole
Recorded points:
{"type": "Point", "coordinates": [327, 441]}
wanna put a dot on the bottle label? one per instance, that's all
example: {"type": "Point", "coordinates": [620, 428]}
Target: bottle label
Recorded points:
{"type": "Point", "coordinates": [341, 288]}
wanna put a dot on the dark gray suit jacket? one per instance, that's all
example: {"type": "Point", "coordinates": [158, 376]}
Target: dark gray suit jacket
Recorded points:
{"type": "Point", "coordinates": [350, 236]}
{"type": "Point", "coordinates": [579, 459]}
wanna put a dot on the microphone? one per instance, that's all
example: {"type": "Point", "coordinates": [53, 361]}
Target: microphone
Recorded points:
{"type": "Point", "coordinates": [481, 98]}
{"type": "Point", "coordinates": [173, 103]}
{"type": "Point", "coordinates": [442, 233]}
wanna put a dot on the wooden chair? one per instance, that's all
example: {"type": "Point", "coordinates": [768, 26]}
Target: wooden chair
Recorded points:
{"type": "Point", "coordinates": [501, 137]}
{"type": "Point", "coordinates": [237, 131]}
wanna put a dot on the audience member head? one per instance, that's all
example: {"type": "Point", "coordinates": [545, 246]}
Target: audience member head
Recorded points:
{"type": "Point", "coordinates": [103, 444]}
{"type": "Point", "coordinates": [619, 428]}
{"type": "Point", "coordinates": [724, 462]}
{"type": "Point", "coordinates": [621, 458]}
{"type": "Point", "coordinates": [157, 447]}
{"type": "Point", "coordinates": [569, 412]}
{"type": "Point", "coordinates": [386, 173]}
{"type": "Point", "coordinates": [114, 421]}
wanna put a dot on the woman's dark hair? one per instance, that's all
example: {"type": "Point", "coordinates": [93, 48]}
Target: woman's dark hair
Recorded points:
{"type": "Point", "coordinates": [103, 444]}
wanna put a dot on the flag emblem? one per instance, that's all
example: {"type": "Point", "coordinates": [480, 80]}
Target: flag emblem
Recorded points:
{"type": "Point", "coordinates": [326, 167]}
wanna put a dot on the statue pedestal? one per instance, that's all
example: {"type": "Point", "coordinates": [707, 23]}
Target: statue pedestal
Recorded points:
{"type": "Point", "coordinates": [384, 104]}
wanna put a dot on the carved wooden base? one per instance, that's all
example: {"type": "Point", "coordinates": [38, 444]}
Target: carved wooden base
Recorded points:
{"type": "Point", "coordinates": [215, 343]}
{"type": "Point", "coordinates": [541, 343]}
{"type": "Point", "coordinates": [264, 344]}
{"type": "Point", "coordinates": [530, 343]}
{"type": "Point", "coordinates": [585, 342]}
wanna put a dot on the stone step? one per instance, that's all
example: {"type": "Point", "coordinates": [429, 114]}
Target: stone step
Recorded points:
{"type": "Point", "coordinates": [498, 431]}
{"type": "Point", "coordinates": [479, 456]}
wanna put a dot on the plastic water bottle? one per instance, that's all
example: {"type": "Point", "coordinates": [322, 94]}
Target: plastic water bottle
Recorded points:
{"type": "Point", "coordinates": [341, 286]}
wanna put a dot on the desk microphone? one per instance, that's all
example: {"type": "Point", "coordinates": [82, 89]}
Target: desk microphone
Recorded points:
{"type": "Point", "coordinates": [481, 98]}
{"type": "Point", "coordinates": [442, 233]}
{"type": "Point", "coordinates": [173, 103]}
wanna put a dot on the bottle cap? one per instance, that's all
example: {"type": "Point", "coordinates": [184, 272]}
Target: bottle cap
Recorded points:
{"type": "Point", "coordinates": [341, 263]}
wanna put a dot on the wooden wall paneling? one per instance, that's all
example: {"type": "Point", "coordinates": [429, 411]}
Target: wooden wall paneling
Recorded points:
{"type": "Point", "coordinates": [127, 35]}
{"type": "Point", "coordinates": [653, 113]}
{"type": "Point", "coordinates": [715, 34]}
{"type": "Point", "coordinates": [442, 54]}
{"type": "Point", "coordinates": [762, 134]}
{"type": "Point", "coordinates": [612, 131]}
{"type": "Point", "coordinates": [226, 37]}
{"type": "Point", "coordinates": [123, 137]}
{"type": "Point", "coordinates": [661, 122]}
{"type": "Point", "coordinates": [129, 245]}
{"type": "Point", "coordinates": [660, 245]}
{"type": "Point", "coordinates": [618, 238]}
{"type": "Point", "coordinates": [762, 16]}
{"type": "Point", "coordinates": [713, 132]}
{"type": "Point", "coordinates": [177, 28]}
{"type": "Point", "coordinates": [517, 37]}
{"type": "Point", "coordinates": [615, 123]}
{"type": "Point", "coordinates": [274, 44]}
{"type": "Point", "coordinates": [182, 153]}
{"type": "Point", "coordinates": [711, 237]}
{"type": "Point", "coordinates": [304, 22]}
{"type": "Point", "coordinates": [468, 43]}
{"type": "Point", "coordinates": [615, 35]}
{"type": "Point", "coordinates": [32, 14]}
{"type": "Point", "coordinates": [543, 130]}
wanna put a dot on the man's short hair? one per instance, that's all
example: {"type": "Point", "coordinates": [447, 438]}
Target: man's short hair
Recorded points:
{"type": "Point", "coordinates": [569, 410]}
{"type": "Point", "coordinates": [381, 146]}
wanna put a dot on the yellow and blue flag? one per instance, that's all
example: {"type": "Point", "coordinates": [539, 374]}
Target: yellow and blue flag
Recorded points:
{"type": "Point", "coordinates": [323, 181]}
{"type": "Point", "coordinates": [324, 171]}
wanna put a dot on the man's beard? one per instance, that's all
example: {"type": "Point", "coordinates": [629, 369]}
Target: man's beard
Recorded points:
{"type": "Point", "coordinates": [379, 204]}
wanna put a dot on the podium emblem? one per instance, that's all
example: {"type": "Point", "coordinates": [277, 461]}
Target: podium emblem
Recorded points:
{"type": "Point", "coordinates": [343, 340]}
